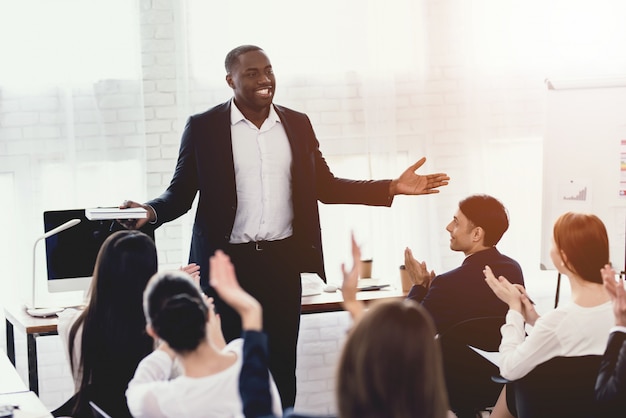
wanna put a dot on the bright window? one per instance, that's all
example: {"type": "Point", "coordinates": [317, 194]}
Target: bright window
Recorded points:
{"type": "Point", "coordinates": [45, 42]}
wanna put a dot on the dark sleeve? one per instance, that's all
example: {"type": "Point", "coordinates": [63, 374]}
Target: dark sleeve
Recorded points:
{"type": "Point", "coordinates": [331, 189]}
{"type": "Point", "coordinates": [417, 293]}
{"type": "Point", "coordinates": [254, 379]}
{"type": "Point", "coordinates": [611, 382]}
{"type": "Point", "coordinates": [179, 196]}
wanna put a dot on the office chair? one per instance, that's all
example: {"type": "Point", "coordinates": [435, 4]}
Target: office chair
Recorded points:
{"type": "Point", "coordinates": [467, 373]}
{"type": "Point", "coordinates": [560, 387]}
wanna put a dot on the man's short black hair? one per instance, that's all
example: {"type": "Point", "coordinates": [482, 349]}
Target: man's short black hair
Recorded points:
{"type": "Point", "coordinates": [231, 57]}
{"type": "Point", "coordinates": [488, 213]}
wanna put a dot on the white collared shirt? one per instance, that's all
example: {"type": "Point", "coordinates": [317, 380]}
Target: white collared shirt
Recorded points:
{"type": "Point", "coordinates": [262, 160]}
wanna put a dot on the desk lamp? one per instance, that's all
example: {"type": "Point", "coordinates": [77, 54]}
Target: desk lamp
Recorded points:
{"type": "Point", "coordinates": [42, 312]}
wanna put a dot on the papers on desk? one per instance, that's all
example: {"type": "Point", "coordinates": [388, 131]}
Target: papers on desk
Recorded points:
{"type": "Point", "coordinates": [97, 214]}
{"type": "Point", "coordinates": [30, 406]}
{"type": "Point", "coordinates": [312, 284]}
{"type": "Point", "coordinates": [492, 356]}
{"type": "Point", "coordinates": [364, 285]}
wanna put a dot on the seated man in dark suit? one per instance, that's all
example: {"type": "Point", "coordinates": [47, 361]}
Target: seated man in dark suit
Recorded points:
{"type": "Point", "coordinates": [462, 293]}
{"type": "Point", "coordinates": [611, 383]}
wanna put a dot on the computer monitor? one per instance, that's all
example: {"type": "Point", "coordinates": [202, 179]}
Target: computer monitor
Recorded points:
{"type": "Point", "coordinates": [71, 254]}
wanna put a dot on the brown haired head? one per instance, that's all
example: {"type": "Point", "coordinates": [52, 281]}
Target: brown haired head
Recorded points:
{"type": "Point", "coordinates": [584, 241]}
{"type": "Point", "coordinates": [391, 365]}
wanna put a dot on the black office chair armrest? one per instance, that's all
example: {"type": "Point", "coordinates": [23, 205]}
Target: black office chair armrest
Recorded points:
{"type": "Point", "coordinates": [500, 379]}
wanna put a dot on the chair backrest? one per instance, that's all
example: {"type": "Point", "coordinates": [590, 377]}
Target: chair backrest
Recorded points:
{"type": "Point", "coordinates": [468, 374]}
{"type": "Point", "coordinates": [560, 387]}
{"type": "Point", "coordinates": [97, 411]}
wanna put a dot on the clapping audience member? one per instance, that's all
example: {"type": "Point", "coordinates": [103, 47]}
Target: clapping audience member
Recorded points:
{"type": "Point", "coordinates": [107, 339]}
{"type": "Point", "coordinates": [461, 294]}
{"type": "Point", "coordinates": [390, 365]}
{"type": "Point", "coordinates": [183, 320]}
{"type": "Point", "coordinates": [580, 249]}
{"type": "Point", "coordinates": [611, 383]}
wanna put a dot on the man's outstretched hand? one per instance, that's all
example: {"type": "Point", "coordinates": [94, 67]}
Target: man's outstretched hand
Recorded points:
{"type": "Point", "coordinates": [411, 183]}
{"type": "Point", "coordinates": [136, 223]}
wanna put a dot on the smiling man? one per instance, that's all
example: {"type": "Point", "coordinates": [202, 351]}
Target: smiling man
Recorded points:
{"type": "Point", "coordinates": [462, 293]}
{"type": "Point", "coordinates": [259, 173]}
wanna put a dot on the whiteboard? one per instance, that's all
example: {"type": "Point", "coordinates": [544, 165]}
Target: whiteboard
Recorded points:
{"type": "Point", "coordinates": [584, 162]}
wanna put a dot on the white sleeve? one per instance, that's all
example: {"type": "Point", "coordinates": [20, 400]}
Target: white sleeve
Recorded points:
{"type": "Point", "coordinates": [150, 378]}
{"type": "Point", "coordinates": [67, 318]}
{"type": "Point", "coordinates": [277, 405]}
{"type": "Point", "coordinates": [520, 354]}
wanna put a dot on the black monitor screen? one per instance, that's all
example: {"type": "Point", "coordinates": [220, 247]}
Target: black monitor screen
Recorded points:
{"type": "Point", "coordinates": [72, 253]}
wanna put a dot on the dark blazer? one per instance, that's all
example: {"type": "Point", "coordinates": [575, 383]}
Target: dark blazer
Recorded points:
{"type": "Point", "coordinates": [462, 293]}
{"type": "Point", "coordinates": [205, 165]}
{"type": "Point", "coordinates": [611, 383]}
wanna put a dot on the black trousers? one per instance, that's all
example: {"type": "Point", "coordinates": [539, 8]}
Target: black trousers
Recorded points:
{"type": "Point", "coordinates": [268, 272]}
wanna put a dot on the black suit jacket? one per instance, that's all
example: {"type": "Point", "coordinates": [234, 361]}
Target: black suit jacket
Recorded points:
{"type": "Point", "coordinates": [462, 293]}
{"type": "Point", "coordinates": [611, 383]}
{"type": "Point", "coordinates": [205, 165]}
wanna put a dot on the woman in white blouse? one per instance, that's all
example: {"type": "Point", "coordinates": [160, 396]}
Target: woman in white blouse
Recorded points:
{"type": "Point", "coordinates": [182, 319]}
{"type": "Point", "coordinates": [581, 327]}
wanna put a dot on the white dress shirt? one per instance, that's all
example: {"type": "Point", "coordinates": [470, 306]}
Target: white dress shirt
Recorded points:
{"type": "Point", "coordinates": [152, 394]}
{"type": "Point", "coordinates": [569, 330]}
{"type": "Point", "coordinates": [262, 159]}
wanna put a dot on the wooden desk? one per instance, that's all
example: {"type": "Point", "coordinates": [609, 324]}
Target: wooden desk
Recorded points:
{"type": "Point", "coordinates": [331, 302]}
{"type": "Point", "coordinates": [16, 316]}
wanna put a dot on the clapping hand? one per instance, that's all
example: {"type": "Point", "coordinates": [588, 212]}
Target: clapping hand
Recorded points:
{"type": "Point", "coordinates": [615, 289]}
{"type": "Point", "coordinates": [418, 272]}
{"type": "Point", "coordinates": [504, 290]}
{"type": "Point", "coordinates": [194, 271]}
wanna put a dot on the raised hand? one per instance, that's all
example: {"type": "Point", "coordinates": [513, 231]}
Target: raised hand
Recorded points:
{"type": "Point", "coordinates": [411, 183]}
{"type": "Point", "coordinates": [350, 282]}
{"type": "Point", "coordinates": [194, 271]}
{"type": "Point", "coordinates": [616, 291]}
{"type": "Point", "coordinates": [223, 279]}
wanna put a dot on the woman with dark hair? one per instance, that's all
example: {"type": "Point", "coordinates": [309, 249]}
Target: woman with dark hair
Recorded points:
{"type": "Point", "coordinates": [183, 320]}
{"type": "Point", "coordinates": [107, 339]}
{"type": "Point", "coordinates": [390, 365]}
{"type": "Point", "coordinates": [580, 250]}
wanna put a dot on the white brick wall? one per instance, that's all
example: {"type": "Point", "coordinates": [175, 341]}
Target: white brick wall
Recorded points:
{"type": "Point", "coordinates": [435, 113]}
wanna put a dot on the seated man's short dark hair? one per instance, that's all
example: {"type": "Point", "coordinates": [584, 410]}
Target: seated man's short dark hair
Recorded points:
{"type": "Point", "coordinates": [488, 213]}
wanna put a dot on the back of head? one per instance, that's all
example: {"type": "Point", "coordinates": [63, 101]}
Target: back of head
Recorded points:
{"type": "Point", "coordinates": [391, 365]}
{"type": "Point", "coordinates": [174, 307]}
{"type": "Point", "coordinates": [233, 56]}
{"type": "Point", "coordinates": [488, 213]}
{"type": "Point", "coordinates": [113, 327]}
{"type": "Point", "coordinates": [584, 240]}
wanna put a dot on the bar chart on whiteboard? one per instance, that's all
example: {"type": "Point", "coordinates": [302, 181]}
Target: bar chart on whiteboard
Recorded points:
{"type": "Point", "coordinates": [584, 163]}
